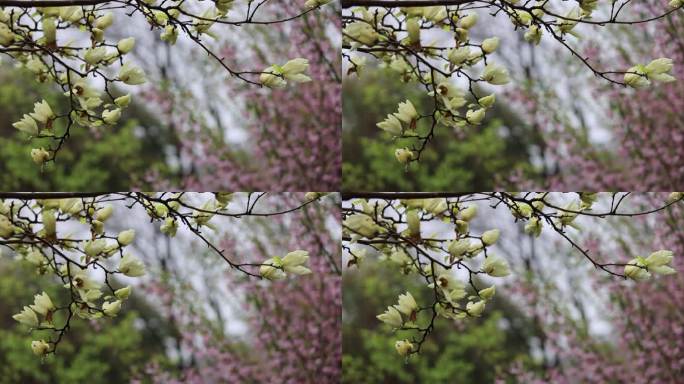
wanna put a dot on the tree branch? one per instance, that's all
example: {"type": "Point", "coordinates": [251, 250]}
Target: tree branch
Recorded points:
{"type": "Point", "coordinates": [49, 3]}
{"type": "Point", "coordinates": [47, 195]}
{"type": "Point", "coordinates": [399, 3]}
{"type": "Point", "coordinates": [400, 195]}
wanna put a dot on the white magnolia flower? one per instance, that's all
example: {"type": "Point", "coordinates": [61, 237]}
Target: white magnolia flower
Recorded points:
{"type": "Point", "coordinates": [27, 124]}
{"type": "Point", "coordinates": [636, 77]}
{"type": "Point", "coordinates": [407, 304]}
{"type": "Point", "coordinates": [403, 347]}
{"type": "Point", "coordinates": [636, 269]}
{"type": "Point", "coordinates": [272, 270]}
{"type": "Point", "coordinates": [123, 101]}
{"type": "Point", "coordinates": [27, 317]}
{"type": "Point", "coordinates": [391, 317]}
{"type": "Point", "coordinates": [407, 112]}
{"type": "Point", "coordinates": [391, 124]}
{"type": "Point", "coordinates": [270, 79]}
{"type": "Point", "coordinates": [123, 293]}
{"type": "Point", "coordinates": [42, 304]}
{"type": "Point", "coordinates": [111, 117]}
{"type": "Point", "coordinates": [294, 70]}
{"type": "Point", "coordinates": [362, 32]}
{"type": "Point", "coordinates": [42, 112]}
{"type": "Point", "coordinates": [40, 347]}
{"type": "Point", "coordinates": [475, 308]}
{"type": "Point", "coordinates": [95, 55]}
{"type": "Point", "coordinates": [487, 293]}
{"type": "Point", "coordinates": [404, 155]}
{"type": "Point", "coordinates": [468, 213]}
{"type": "Point", "coordinates": [363, 225]}
{"type": "Point", "coordinates": [475, 117]}
{"type": "Point", "coordinates": [459, 55]}
{"type": "Point", "coordinates": [490, 45]}
{"type": "Point", "coordinates": [131, 75]}
{"type": "Point", "coordinates": [458, 247]}
{"type": "Point", "coordinates": [131, 266]}
{"type": "Point", "coordinates": [490, 237]}
{"type": "Point", "coordinates": [495, 74]}
{"type": "Point", "coordinates": [126, 45]}
{"type": "Point", "coordinates": [468, 21]}
{"type": "Point", "coordinates": [126, 237]}
{"type": "Point", "coordinates": [496, 266]}
{"type": "Point", "coordinates": [111, 309]}
{"type": "Point", "coordinates": [39, 155]}
{"type": "Point", "coordinates": [294, 262]}
{"type": "Point", "coordinates": [658, 262]}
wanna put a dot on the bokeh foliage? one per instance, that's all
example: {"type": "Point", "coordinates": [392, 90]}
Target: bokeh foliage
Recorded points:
{"type": "Point", "coordinates": [481, 158]}
{"type": "Point", "coordinates": [112, 159]}
{"type": "Point", "coordinates": [467, 352]}
{"type": "Point", "coordinates": [113, 351]}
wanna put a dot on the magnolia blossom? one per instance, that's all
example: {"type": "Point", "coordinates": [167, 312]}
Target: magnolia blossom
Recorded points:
{"type": "Point", "coordinates": [362, 32]}
{"type": "Point", "coordinates": [294, 262]}
{"type": "Point", "coordinates": [42, 112]}
{"type": "Point", "coordinates": [27, 317]}
{"type": "Point", "coordinates": [487, 293]}
{"type": "Point", "coordinates": [43, 304]}
{"type": "Point", "coordinates": [294, 70]}
{"type": "Point", "coordinates": [270, 270]}
{"type": "Point", "coordinates": [276, 76]}
{"type": "Point", "coordinates": [131, 75]}
{"type": "Point", "coordinates": [131, 266]}
{"type": "Point", "coordinates": [658, 262]}
{"type": "Point", "coordinates": [111, 309]}
{"type": "Point", "coordinates": [123, 293]}
{"type": "Point", "coordinates": [407, 112]}
{"type": "Point", "coordinates": [495, 74]}
{"type": "Point", "coordinates": [490, 237]}
{"type": "Point", "coordinates": [39, 155]}
{"type": "Point", "coordinates": [490, 45]}
{"type": "Point", "coordinates": [125, 45]}
{"type": "Point", "coordinates": [636, 270]}
{"type": "Point", "coordinates": [111, 116]}
{"type": "Point", "coordinates": [126, 237]}
{"type": "Point", "coordinates": [363, 225]}
{"type": "Point", "coordinates": [391, 124]}
{"type": "Point", "coordinates": [407, 304]}
{"type": "Point", "coordinates": [468, 213]}
{"type": "Point", "coordinates": [27, 124]}
{"type": "Point", "coordinates": [403, 347]}
{"type": "Point", "coordinates": [457, 248]}
{"type": "Point", "coordinates": [404, 155]}
{"type": "Point", "coordinates": [475, 308]}
{"type": "Point", "coordinates": [496, 266]}
{"type": "Point", "coordinates": [40, 347]}
{"type": "Point", "coordinates": [391, 317]}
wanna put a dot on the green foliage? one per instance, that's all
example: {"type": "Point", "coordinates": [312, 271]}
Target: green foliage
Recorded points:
{"type": "Point", "coordinates": [477, 160]}
{"type": "Point", "coordinates": [112, 159]}
{"type": "Point", "coordinates": [109, 352]}
{"type": "Point", "coordinates": [464, 352]}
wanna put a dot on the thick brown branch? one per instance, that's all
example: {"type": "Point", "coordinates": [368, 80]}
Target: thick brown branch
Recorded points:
{"type": "Point", "coordinates": [49, 3]}
{"type": "Point", "coordinates": [400, 195]}
{"type": "Point", "coordinates": [47, 195]}
{"type": "Point", "coordinates": [401, 3]}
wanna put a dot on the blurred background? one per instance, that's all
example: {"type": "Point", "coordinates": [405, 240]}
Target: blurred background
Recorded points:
{"type": "Point", "coordinates": [192, 126]}
{"type": "Point", "coordinates": [192, 319]}
{"type": "Point", "coordinates": [555, 319]}
{"type": "Point", "coordinates": [555, 126]}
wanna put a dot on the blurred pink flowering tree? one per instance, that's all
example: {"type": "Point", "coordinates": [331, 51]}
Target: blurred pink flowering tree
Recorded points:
{"type": "Point", "coordinates": [293, 325]}
{"type": "Point", "coordinates": [642, 128]}
{"type": "Point", "coordinates": [292, 133]}
{"type": "Point", "coordinates": [645, 338]}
